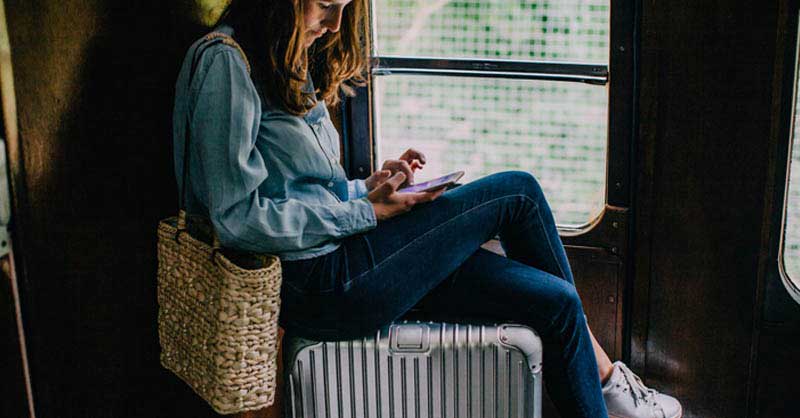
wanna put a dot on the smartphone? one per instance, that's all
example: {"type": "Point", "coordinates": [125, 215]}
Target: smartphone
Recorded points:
{"type": "Point", "coordinates": [435, 184]}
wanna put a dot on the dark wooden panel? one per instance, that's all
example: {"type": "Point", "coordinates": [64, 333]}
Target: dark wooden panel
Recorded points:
{"type": "Point", "coordinates": [94, 84]}
{"type": "Point", "coordinates": [777, 392]}
{"type": "Point", "coordinates": [706, 100]}
{"type": "Point", "coordinates": [599, 282]}
{"type": "Point", "coordinates": [358, 122]}
{"type": "Point", "coordinates": [776, 336]}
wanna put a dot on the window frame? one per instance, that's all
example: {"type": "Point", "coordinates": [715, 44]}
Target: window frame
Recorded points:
{"type": "Point", "coordinates": [358, 113]}
{"type": "Point", "coordinates": [781, 291]}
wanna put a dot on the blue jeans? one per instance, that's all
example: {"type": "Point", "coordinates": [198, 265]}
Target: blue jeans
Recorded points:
{"type": "Point", "coordinates": [432, 255]}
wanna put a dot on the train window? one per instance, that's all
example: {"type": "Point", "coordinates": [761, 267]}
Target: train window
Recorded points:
{"type": "Point", "coordinates": [553, 30]}
{"type": "Point", "coordinates": [490, 85]}
{"type": "Point", "coordinates": [791, 238]}
{"type": "Point", "coordinates": [790, 242]}
{"type": "Point", "coordinates": [488, 125]}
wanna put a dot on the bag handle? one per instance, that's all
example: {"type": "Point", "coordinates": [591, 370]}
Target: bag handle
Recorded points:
{"type": "Point", "coordinates": [198, 52]}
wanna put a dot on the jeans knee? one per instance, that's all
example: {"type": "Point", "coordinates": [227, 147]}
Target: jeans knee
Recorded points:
{"type": "Point", "coordinates": [572, 301]}
{"type": "Point", "coordinates": [524, 183]}
{"type": "Point", "coordinates": [571, 313]}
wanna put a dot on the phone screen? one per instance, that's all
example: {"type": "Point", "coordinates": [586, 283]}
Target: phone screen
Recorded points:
{"type": "Point", "coordinates": [433, 184]}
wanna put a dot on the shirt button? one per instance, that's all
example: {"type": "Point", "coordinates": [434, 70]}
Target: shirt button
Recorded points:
{"type": "Point", "coordinates": [330, 184]}
{"type": "Point", "coordinates": [334, 160]}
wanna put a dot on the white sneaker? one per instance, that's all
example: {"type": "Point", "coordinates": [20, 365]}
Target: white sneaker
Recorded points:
{"type": "Point", "coordinates": [627, 397]}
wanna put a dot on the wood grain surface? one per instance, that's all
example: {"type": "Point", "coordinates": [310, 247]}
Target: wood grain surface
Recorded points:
{"type": "Point", "coordinates": [706, 78]}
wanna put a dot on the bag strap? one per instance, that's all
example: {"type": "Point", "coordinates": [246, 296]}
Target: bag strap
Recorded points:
{"type": "Point", "coordinates": [208, 40]}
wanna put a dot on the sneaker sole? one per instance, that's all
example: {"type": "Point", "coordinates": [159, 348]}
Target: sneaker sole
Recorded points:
{"type": "Point", "coordinates": [680, 415]}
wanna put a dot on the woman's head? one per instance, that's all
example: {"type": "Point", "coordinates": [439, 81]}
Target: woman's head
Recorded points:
{"type": "Point", "coordinates": [321, 17]}
{"type": "Point", "coordinates": [287, 39]}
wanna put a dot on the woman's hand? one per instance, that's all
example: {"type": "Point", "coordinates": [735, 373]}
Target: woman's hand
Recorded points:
{"type": "Point", "coordinates": [410, 161]}
{"type": "Point", "coordinates": [387, 202]}
{"type": "Point", "coordinates": [376, 179]}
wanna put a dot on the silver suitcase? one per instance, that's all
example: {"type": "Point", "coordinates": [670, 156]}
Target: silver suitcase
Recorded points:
{"type": "Point", "coordinates": [417, 370]}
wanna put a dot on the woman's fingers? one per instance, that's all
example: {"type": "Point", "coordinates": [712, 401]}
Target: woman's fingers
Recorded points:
{"type": "Point", "coordinates": [410, 161]}
{"type": "Point", "coordinates": [423, 197]}
{"type": "Point", "coordinates": [388, 203]}
{"type": "Point", "coordinates": [400, 166]}
{"type": "Point", "coordinates": [396, 180]}
{"type": "Point", "coordinates": [436, 193]}
{"type": "Point", "coordinates": [389, 186]}
{"type": "Point", "coordinates": [381, 174]}
{"type": "Point", "coordinates": [377, 178]}
{"type": "Point", "coordinates": [412, 154]}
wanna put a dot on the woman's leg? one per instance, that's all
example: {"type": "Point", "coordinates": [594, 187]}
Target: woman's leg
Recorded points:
{"type": "Point", "coordinates": [604, 364]}
{"type": "Point", "coordinates": [516, 242]}
{"type": "Point", "coordinates": [494, 287]}
{"type": "Point", "coordinates": [378, 276]}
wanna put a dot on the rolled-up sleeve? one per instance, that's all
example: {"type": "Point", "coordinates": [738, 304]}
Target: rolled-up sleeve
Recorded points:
{"type": "Point", "coordinates": [230, 168]}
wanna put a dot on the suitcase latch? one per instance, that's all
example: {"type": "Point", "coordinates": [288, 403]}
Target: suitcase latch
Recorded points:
{"type": "Point", "coordinates": [409, 337]}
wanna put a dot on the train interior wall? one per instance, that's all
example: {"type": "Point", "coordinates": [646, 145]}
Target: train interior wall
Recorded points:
{"type": "Point", "coordinates": [703, 318]}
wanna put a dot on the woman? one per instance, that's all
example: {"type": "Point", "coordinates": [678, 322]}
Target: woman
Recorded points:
{"type": "Point", "coordinates": [264, 166]}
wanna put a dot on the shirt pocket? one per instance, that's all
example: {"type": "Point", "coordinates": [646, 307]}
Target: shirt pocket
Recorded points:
{"type": "Point", "coordinates": [318, 119]}
{"type": "Point", "coordinates": [293, 143]}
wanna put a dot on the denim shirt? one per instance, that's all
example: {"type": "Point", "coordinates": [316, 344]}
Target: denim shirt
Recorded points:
{"type": "Point", "coordinates": [269, 181]}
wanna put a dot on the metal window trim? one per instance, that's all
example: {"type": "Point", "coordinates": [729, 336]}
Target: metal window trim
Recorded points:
{"type": "Point", "coordinates": [491, 74]}
{"type": "Point", "coordinates": [474, 67]}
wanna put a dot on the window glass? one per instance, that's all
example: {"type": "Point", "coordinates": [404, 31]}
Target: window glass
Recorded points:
{"type": "Point", "coordinates": [541, 30]}
{"type": "Point", "coordinates": [554, 130]}
{"type": "Point", "coordinates": [791, 246]}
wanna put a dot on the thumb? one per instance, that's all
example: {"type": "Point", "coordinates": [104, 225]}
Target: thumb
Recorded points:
{"type": "Point", "coordinates": [396, 180]}
{"type": "Point", "coordinates": [390, 186]}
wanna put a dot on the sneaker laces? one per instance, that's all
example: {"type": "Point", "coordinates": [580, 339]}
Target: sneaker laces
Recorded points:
{"type": "Point", "coordinates": [639, 391]}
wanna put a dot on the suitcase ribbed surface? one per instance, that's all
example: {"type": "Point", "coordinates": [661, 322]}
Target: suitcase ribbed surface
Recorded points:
{"type": "Point", "coordinates": [419, 370]}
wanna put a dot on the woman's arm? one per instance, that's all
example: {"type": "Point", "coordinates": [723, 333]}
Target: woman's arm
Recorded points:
{"type": "Point", "coordinates": [227, 170]}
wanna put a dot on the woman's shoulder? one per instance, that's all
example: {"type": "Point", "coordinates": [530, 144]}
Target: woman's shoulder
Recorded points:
{"type": "Point", "coordinates": [217, 44]}
{"type": "Point", "coordinates": [212, 64]}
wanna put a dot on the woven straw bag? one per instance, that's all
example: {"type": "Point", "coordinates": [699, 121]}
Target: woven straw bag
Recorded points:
{"type": "Point", "coordinates": [218, 309]}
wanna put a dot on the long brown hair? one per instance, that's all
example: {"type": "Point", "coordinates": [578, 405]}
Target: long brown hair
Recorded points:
{"type": "Point", "coordinates": [272, 34]}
